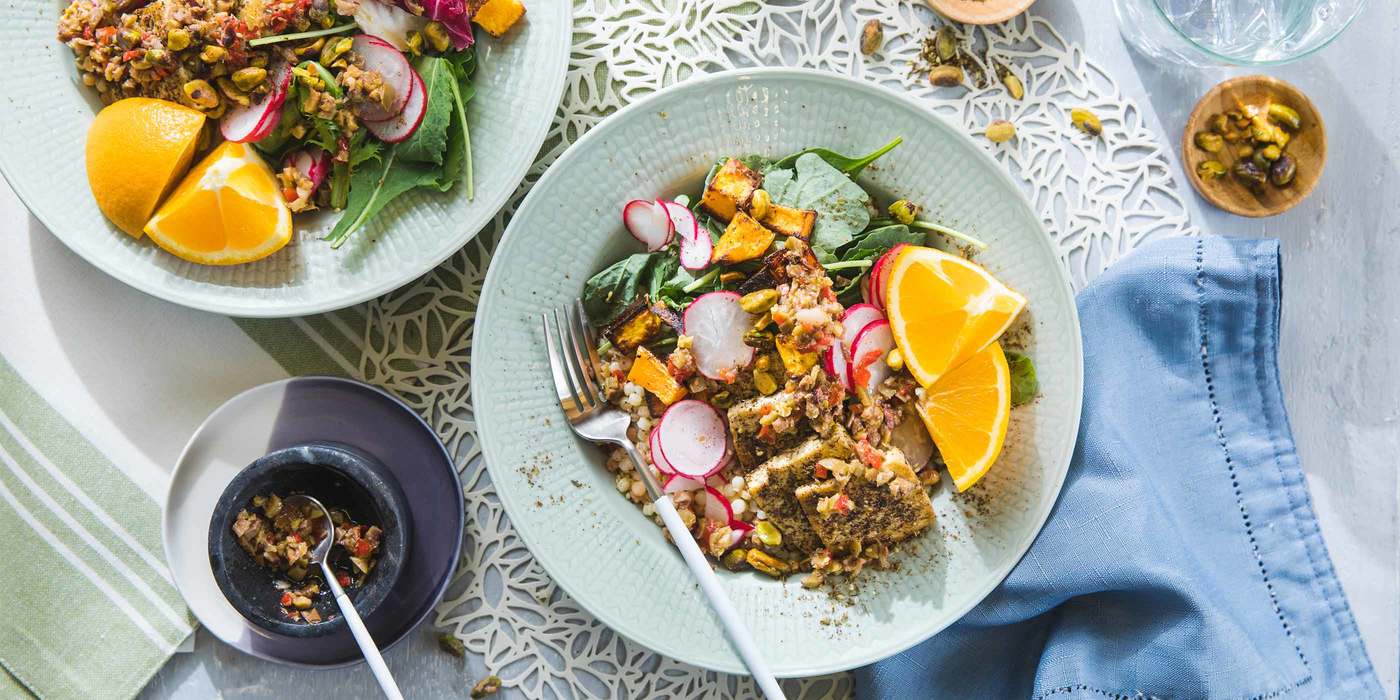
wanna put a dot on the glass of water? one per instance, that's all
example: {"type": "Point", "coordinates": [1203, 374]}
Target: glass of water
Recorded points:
{"type": "Point", "coordinates": [1240, 32]}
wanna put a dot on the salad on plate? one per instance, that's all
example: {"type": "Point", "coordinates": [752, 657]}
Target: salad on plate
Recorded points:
{"type": "Point", "coordinates": [802, 366]}
{"type": "Point", "coordinates": [290, 106]}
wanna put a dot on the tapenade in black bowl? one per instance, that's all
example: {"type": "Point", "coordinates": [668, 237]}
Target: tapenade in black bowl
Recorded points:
{"type": "Point", "coordinates": [256, 544]}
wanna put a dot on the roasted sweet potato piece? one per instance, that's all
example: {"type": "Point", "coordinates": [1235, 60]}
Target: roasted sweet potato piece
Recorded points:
{"type": "Point", "coordinates": [789, 221]}
{"type": "Point", "coordinates": [795, 362]}
{"type": "Point", "coordinates": [744, 239]}
{"type": "Point", "coordinates": [650, 373]}
{"type": "Point", "coordinates": [730, 190]}
{"type": "Point", "coordinates": [761, 279]}
{"type": "Point", "coordinates": [636, 324]}
{"type": "Point", "coordinates": [498, 16]}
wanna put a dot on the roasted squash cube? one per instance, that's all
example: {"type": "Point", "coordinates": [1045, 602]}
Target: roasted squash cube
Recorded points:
{"type": "Point", "coordinates": [744, 239]}
{"type": "Point", "coordinates": [637, 324]}
{"type": "Point", "coordinates": [650, 373]}
{"type": "Point", "coordinates": [789, 221]}
{"type": "Point", "coordinates": [730, 190]}
{"type": "Point", "coordinates": [498, 16]}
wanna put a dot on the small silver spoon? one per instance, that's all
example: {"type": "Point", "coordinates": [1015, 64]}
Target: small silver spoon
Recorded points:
{"type": "Point", "coordinates": [352, 618]}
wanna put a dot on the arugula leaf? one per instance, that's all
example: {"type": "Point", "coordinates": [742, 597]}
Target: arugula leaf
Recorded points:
{"type": "Point", "coordinates": [429, 142]}
{"type": "Point", "coordinates": [843, 208]}
{"type": "Point", "coordinates": [371, 188]}
{"type": "Point", "coordinates": [850, 165]}
{"type": "Point", "coordinates": [1024, 385]}
{"type": "Point", "coordinates": [459, 142]}
{"type": "Point", "coordinates": [608, 292]}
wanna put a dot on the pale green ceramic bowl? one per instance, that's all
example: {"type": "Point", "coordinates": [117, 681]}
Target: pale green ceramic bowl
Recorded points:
{"type": "Point", "coordinates": [46, 112]}
{"type": "Point", "coordinates": [599, 547]}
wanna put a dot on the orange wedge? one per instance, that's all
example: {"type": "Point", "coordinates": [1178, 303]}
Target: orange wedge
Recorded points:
{"type": "Point", "coordinates": [136, 150]}
{"type": "Point", "coordinates": [944, 309]}
{"type": "Point", "coordinates": [967, 411]}
{"type": "Point", "coordinates": [228, 210]}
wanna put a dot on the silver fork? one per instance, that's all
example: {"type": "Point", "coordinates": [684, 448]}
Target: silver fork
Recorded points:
{"type": "Point", "coordinates": [573, 359]}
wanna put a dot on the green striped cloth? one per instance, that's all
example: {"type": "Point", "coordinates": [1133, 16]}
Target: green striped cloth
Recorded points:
{"type": "Point", "coordinates": [87, 607]}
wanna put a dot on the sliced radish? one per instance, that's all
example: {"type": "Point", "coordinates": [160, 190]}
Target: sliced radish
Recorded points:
{"type": "Point", "coordinates": [738, 531]}
{"type": "Point", "coordinates": [856, 318]}
{"type": "Point", "coordinates": [835, 363]}
{"type": "Point", "coordinates": [693, 439]}
{"type": "Point", "coordinates": [868, 368]}
{"type": "Point", "coordinates": [406, 122]}
{"type": "Point", "coordinates": [682, 219]}
{"type": "Point", "coordinates": [717, 506]}
{"type": "Point", "coordinates": [381, 57]}
{"type": "Point", "coordinates": [257, 120]}
{"type": "Point", "coordinates": [881, 272]}
{"type": "Point", "coordinates": [648, 222]}
{"type": "Point", "coordinates": [677, 483]}
{"type": "Point", "coordinates": [695, 242]}
{"type": "Point", "coordinates": [388, 22]}
{"type": "Point", "coordinates": [716, 324]}
{"type": "Point", "coordinates": [314, 163]}
{"type": "Point", "coordinates": [656, 457]}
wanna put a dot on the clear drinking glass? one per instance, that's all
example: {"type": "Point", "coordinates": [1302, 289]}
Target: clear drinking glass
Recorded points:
{"type": "Point", "coordinates": [1241, 32]}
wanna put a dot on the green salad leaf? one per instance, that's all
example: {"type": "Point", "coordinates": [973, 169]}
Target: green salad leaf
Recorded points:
{"type": "Point", "coordinates": [374, 185]}
{"type": "Point", "coordinates": [1024, 385]}
{"type": "Point", "coordinates": [608, 292]}
{"type": "Point", "coordinates": [428, 144]}
{"type": "Point", "coordinates": [842, 206]}
{"type": "Point", "coordinates": [850, 165]}
{"type": "Point", "coordinates": [873, 243]}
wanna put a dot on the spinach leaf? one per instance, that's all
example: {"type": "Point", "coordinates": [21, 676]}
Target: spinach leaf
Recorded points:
{"type": "Point", "coordinates": [428, 143]}
{"type": "Point", "coordinates": [1024, 385]}
{"type": "Point", "coordinates": [842, 206]}
{"type": "Point", "coordinates": [608, 292]}
{"type": "Point", "coordinates": [850, 165]}
{"type": "Point", "coordinates": [873, 243]}
{"type": "Point", "coordinates": [459, 143]}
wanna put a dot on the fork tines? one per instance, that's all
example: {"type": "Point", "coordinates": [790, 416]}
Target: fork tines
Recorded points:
{"type": "Point", "coordinates": [573, 358]}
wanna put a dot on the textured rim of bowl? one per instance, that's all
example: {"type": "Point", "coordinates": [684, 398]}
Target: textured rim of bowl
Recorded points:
{"type": "Point", "coordinates": [376, 482]}
{"type": "Point", "coordinates": [14, 177]}
{"type": "Point", "coordinates": [1060, 463]}
{"type": "Point", "coordinates": [226, 406]}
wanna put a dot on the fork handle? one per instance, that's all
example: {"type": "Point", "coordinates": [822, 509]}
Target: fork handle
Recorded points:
{"type": "Point", "coordinates": [709, 583]}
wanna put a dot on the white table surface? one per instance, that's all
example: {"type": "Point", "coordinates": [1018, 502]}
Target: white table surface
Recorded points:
{"type": "Point", "coordinates": [1340, 329]}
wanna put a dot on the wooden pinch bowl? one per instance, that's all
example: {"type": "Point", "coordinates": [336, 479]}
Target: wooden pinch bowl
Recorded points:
{"type": "Point", "coordinates": [1308, 147]}
{"type": "Point", "coordinates": [980, 11]}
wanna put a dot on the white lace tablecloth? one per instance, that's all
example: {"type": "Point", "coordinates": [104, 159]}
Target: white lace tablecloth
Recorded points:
{"type": "Point", "coordinates": [1099, 198]}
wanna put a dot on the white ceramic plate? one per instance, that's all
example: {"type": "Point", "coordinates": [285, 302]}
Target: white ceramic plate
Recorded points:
{"type": "Point", "coordinates": [46, 112]}
{"type": "Point", "coordinates": [599, 547]}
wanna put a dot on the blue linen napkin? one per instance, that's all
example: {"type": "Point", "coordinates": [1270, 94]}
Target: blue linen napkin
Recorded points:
{"type": "Point", "coordinates": [1183, 559]}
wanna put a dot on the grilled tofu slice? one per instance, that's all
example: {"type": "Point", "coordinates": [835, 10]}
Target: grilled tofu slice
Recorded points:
{"type": "Point", "coordinates": [745, 423]}
{"type": "Point", "coordinates": [845, 512]}
{"type": "Point", "coordinates": [775, 485]}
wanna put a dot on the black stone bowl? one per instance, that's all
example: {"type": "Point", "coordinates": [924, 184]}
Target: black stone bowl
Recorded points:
{"type": "Point", "coordinates": [338, 475]}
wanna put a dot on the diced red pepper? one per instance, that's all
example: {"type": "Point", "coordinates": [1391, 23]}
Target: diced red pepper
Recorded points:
{"type": "Point", "coordinates": [362, 548]}
{"type": "Point", "coordinates": [842, 504]}
{"type": "Point", "coordinates": [287, 599]}
{"type": "Point", "coordinates": [821, 472]}
{"type": "Point", "coordinates": [343, 578]}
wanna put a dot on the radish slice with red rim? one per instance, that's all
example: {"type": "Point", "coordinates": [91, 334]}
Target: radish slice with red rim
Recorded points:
{"type": "Point", "coordinates": [693, 439]}
{"type": "Point", "coordinates": [694, 239]}
{"type": "Point", "coordinates": [716, 325]}
{"type": "Point", "coordinates": [834, 362]}
{"type": "Point", "coordinates": [314, 163]}
{"type": "Point", "coordinates": [676, 483]}
{"type": "Point", "coordinates": [717, 506]}
{"type": "Point", "coordinates": [682, 219]}
{"type": "Point", "coordinates": [657, 458]}
{"type": "Point", "coordinates": [738, 531]}
{"type": "Point", "coordinates": [880, 273]}
{"type": "Point", "coordinates": [868, 368]}
{"type": "Point", "coordinates": [648, 222]}
{"type": "Point", "coordinates": [255, 121]}
{"type": "Point", "coordinates": [403, 124]}
{"type": "Point", "coordinates": [856, 318]}
{"type": "Point", "coordinates": [381, 57]}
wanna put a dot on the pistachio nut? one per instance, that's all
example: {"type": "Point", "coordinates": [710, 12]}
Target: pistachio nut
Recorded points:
{"type": "Point", "coordinates": [212, 53]}
{"type": "Point", "coordinates": [1283, 115]}
{"type": "Point", "coordinates": [1000, 131]}
{"type": "Point", "coordinates": [311, 47]}
{"type": "Point", "coordinates": [1086, 121]}
{"type": "Point", "coordinates": [232, 92]}
{"type": "Point", "coordinates": [767, 533]}
{"type": "Point", "coordinates": [1210, 142]}
{"type": "Point", "coordinates": [945, 43]}
{"type": "Point", "coordinates": [1218, 123]}
{"type": "Point", "coordinates": [248, 78]}
{"type": "Point", "coordinates": [731, 277]}
{"type": "Point", "coordinates": [764, 382]}
{"type": "Point", "coordinates": [1210, 169]}
{"type": "Point", "coordinates": [1283, 170]}
{"type": "Point", "coordinates": [201, 94]}
{"type": "Point", "coordinates": [334, 49]}
{"type": "Point", "coordinates": [895, 360]}
{"type": "Point", "coordinates": [756, 338]}
{"type": "Point", "coordinates": [1248, 174]}
{"type": "Point", "coordinates": [415, 43]}
{"type": "Point", "coordinates": [733, 560]}
{"type": "Point", "coordinates": [177, 39]}
{"type": "Point", "coordinates": [759, 301]}
{"type": "Point", "coordinates": [766, 563]}
{"type": "Point", "coordinates": [904, 211]}
{"type": "Point", "coordinates": [1271, 152]}
{"type": "Point", "coordinates": [759, 203]}
{"type": "Point", "coordinates": [1014, 88]}
{"type": "Point", "coordinates": [946, 76]}
{"type": "Point", "coordinates": [872, 36]}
